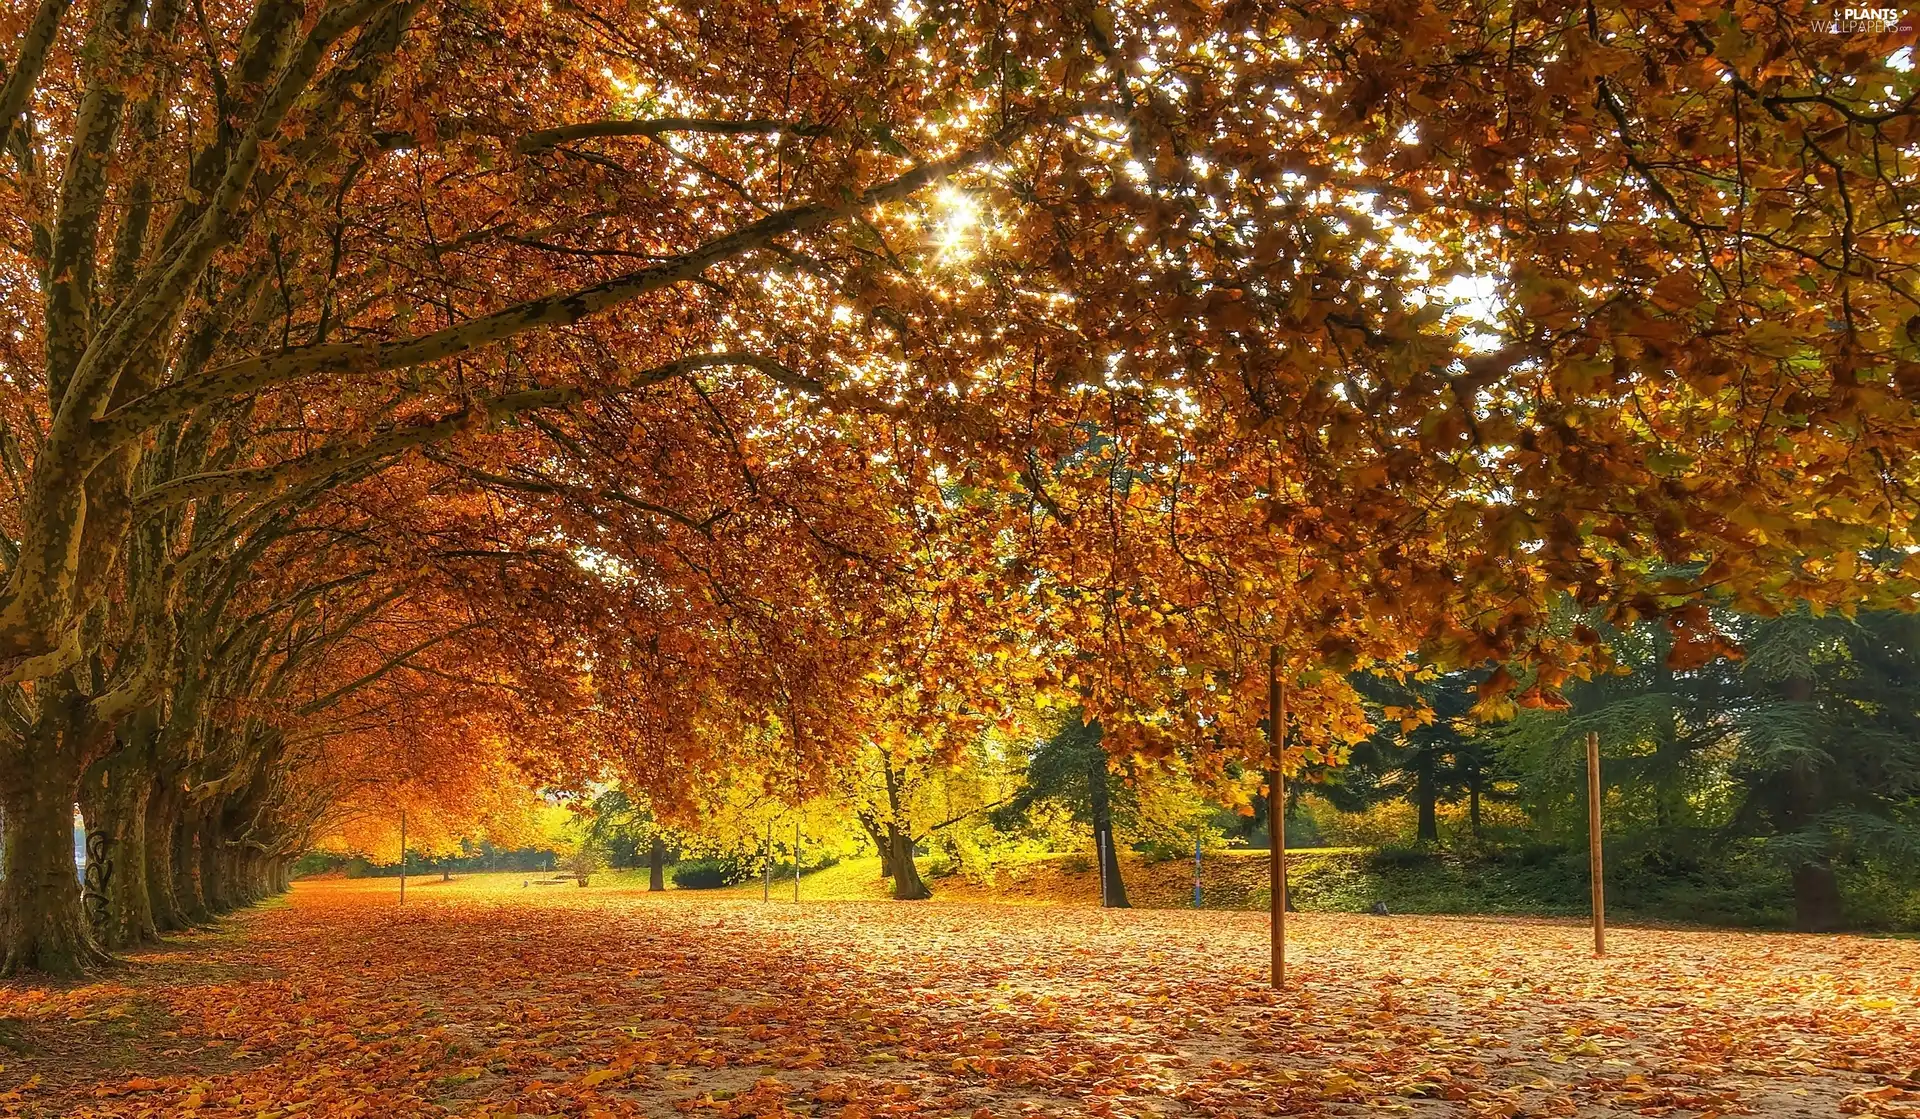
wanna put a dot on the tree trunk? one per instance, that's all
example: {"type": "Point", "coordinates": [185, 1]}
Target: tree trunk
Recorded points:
{"type": "Point", "coordinates": [213, 883]}
{"type": "Point", "coordinates": [1816, 898]}
{"type": "Point", "coordinates": [881, 844]}
{"type": "Point", "coordinates": [1113, 891]}
{"type": "Point", "coordinates": [189, 888]}
{"type": "Point", "coordinates": [241, 891]}
{"type": "Point", "coordinates": [240, 865]}
{"type": "Point", "coordinates": [40, 909]}
{"type": "Point", "coordinates": [1425, 794]}
{"type": "Point", "coordinates": [162, 818]}
{"type": "Point", "coordinates": [114, 799]}
{"type": "Point", "coordinates": [44, 922]}
{"type": "Point", "coordinates": [657, 865]}
{"type": "Point", "coordinates": [1816, 891]}
{"type": "Point", "coordinates": [907, 885]}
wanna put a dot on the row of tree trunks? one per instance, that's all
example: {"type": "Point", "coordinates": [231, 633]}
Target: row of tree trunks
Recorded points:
{"type": "Point", "coordinates": [159, 860]}
{"type": "Point", "coordinates": [172, 870]}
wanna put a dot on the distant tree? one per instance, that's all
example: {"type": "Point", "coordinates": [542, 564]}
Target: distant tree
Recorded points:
{"type": "Point", "coordinates": [1824, 721]}
{"type": "Point", "coordinates": [585, 861]}
{"type": "Point", "coordinates": [625, 826]}
{"type": "Point", "coordinates": [1809, 745]}
{"type": "Point", "coordinates": [1419, 751]}
{"type": "Point", "coordinates": [919, 792]}
{"type": "Point", "coordinates": [885, 813]}
{"type": "Point", "coordinates": [1071, 767]}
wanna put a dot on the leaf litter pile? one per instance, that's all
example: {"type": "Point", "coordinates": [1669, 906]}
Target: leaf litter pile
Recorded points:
{"type": "Point", "coordinates": [483, 998]}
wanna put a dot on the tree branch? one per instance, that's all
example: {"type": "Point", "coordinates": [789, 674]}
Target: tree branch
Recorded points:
{"type": "Point", "coordinates": [196, 487]}
{"type": "Point", "coordinates": [344, 690]}
{"type": "Point", "coordinates": [550, 138]}
{"type": "Point", "coordinates": [560, 309]}
{"type": "Point", "coordinates": [34, 46]}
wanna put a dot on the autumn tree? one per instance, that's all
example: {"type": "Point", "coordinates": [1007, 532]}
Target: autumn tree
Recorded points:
{"type": "Point", "coordinates": [650, 322]}
{"type": "Point", "coordinates": [623, 828]}
{"type": "Point", "coordinates": [194, 251]}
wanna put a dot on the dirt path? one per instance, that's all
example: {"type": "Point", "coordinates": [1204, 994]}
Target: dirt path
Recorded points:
{"type": "Point", "coordinates": [481, 998]}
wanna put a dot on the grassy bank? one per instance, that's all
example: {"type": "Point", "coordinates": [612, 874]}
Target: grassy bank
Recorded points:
{"type": "Point", "coordinates": [1542, 882]}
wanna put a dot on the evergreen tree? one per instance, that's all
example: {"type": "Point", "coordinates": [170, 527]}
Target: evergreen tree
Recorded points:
{"type": "Point", "coordinates": [1809, 746]}
{"type": "Point", "coordinates": [1658, 728]}
{"type": "Point", "coordinates": [1824, 714]}
{"type": "Point", "coordinates": [1071, 767]}
{"type": "Point", "coordinates": [1418, 753]}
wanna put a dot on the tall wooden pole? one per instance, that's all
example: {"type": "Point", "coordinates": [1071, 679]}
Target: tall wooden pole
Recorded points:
{"type": "Point", "coordinates": [1197, 896]}
{"type": "Point", "coordinates": [1100, 859]}
{"type": "Point", "coordinates": [796, 859]}
{"type": "Point", "coordinates": [403, 854]}
{"type": "Point", "coordinates": [1593, 845]}
{"type": "Point", "coordinates": [766, 874]}
{"type": "Point", "coordinates": [1277, 815]}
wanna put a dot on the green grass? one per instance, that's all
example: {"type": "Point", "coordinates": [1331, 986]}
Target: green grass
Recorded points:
{"type": "Point", "coordinates": [1544, 882]}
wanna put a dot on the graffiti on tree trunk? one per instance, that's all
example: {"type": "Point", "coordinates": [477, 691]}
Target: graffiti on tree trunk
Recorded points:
{"type": "Point", "coordinates": [93, 887]}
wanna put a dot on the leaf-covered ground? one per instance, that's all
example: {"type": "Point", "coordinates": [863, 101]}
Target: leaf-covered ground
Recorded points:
{"type": "Point", "coordinates": [485, 998]}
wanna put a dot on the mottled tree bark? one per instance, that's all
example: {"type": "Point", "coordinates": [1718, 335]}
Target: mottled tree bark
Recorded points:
{"type": "Point", "coordinates": [114, 799]}
{"type": "Point", "coordinates": [44, 922]}
{"type": "Point", "coordinates": [162, 818]}
{"type": "Point", "coordinates": [40, 910]}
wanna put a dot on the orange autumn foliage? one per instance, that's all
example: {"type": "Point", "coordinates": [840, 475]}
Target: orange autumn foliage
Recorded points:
{"type": "Point", "coordinates": [694, 379]}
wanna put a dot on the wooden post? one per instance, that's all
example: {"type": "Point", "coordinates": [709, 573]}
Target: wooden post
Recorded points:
{"type": "Point", "coordinates": [766, 873]}
{"type": "Point", "coordinates": [1100, 860]}
{"type": "Point", "coordinates": [1197, 896]}
{"type": "Point", "coordinates": [796, 860]}
{"type": "Point", "coordinates": [1593, 845]}
{"type": "Point", "coordinates": [1277, 816]}
{"type": "Point", "coordinates": [403, 855]}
